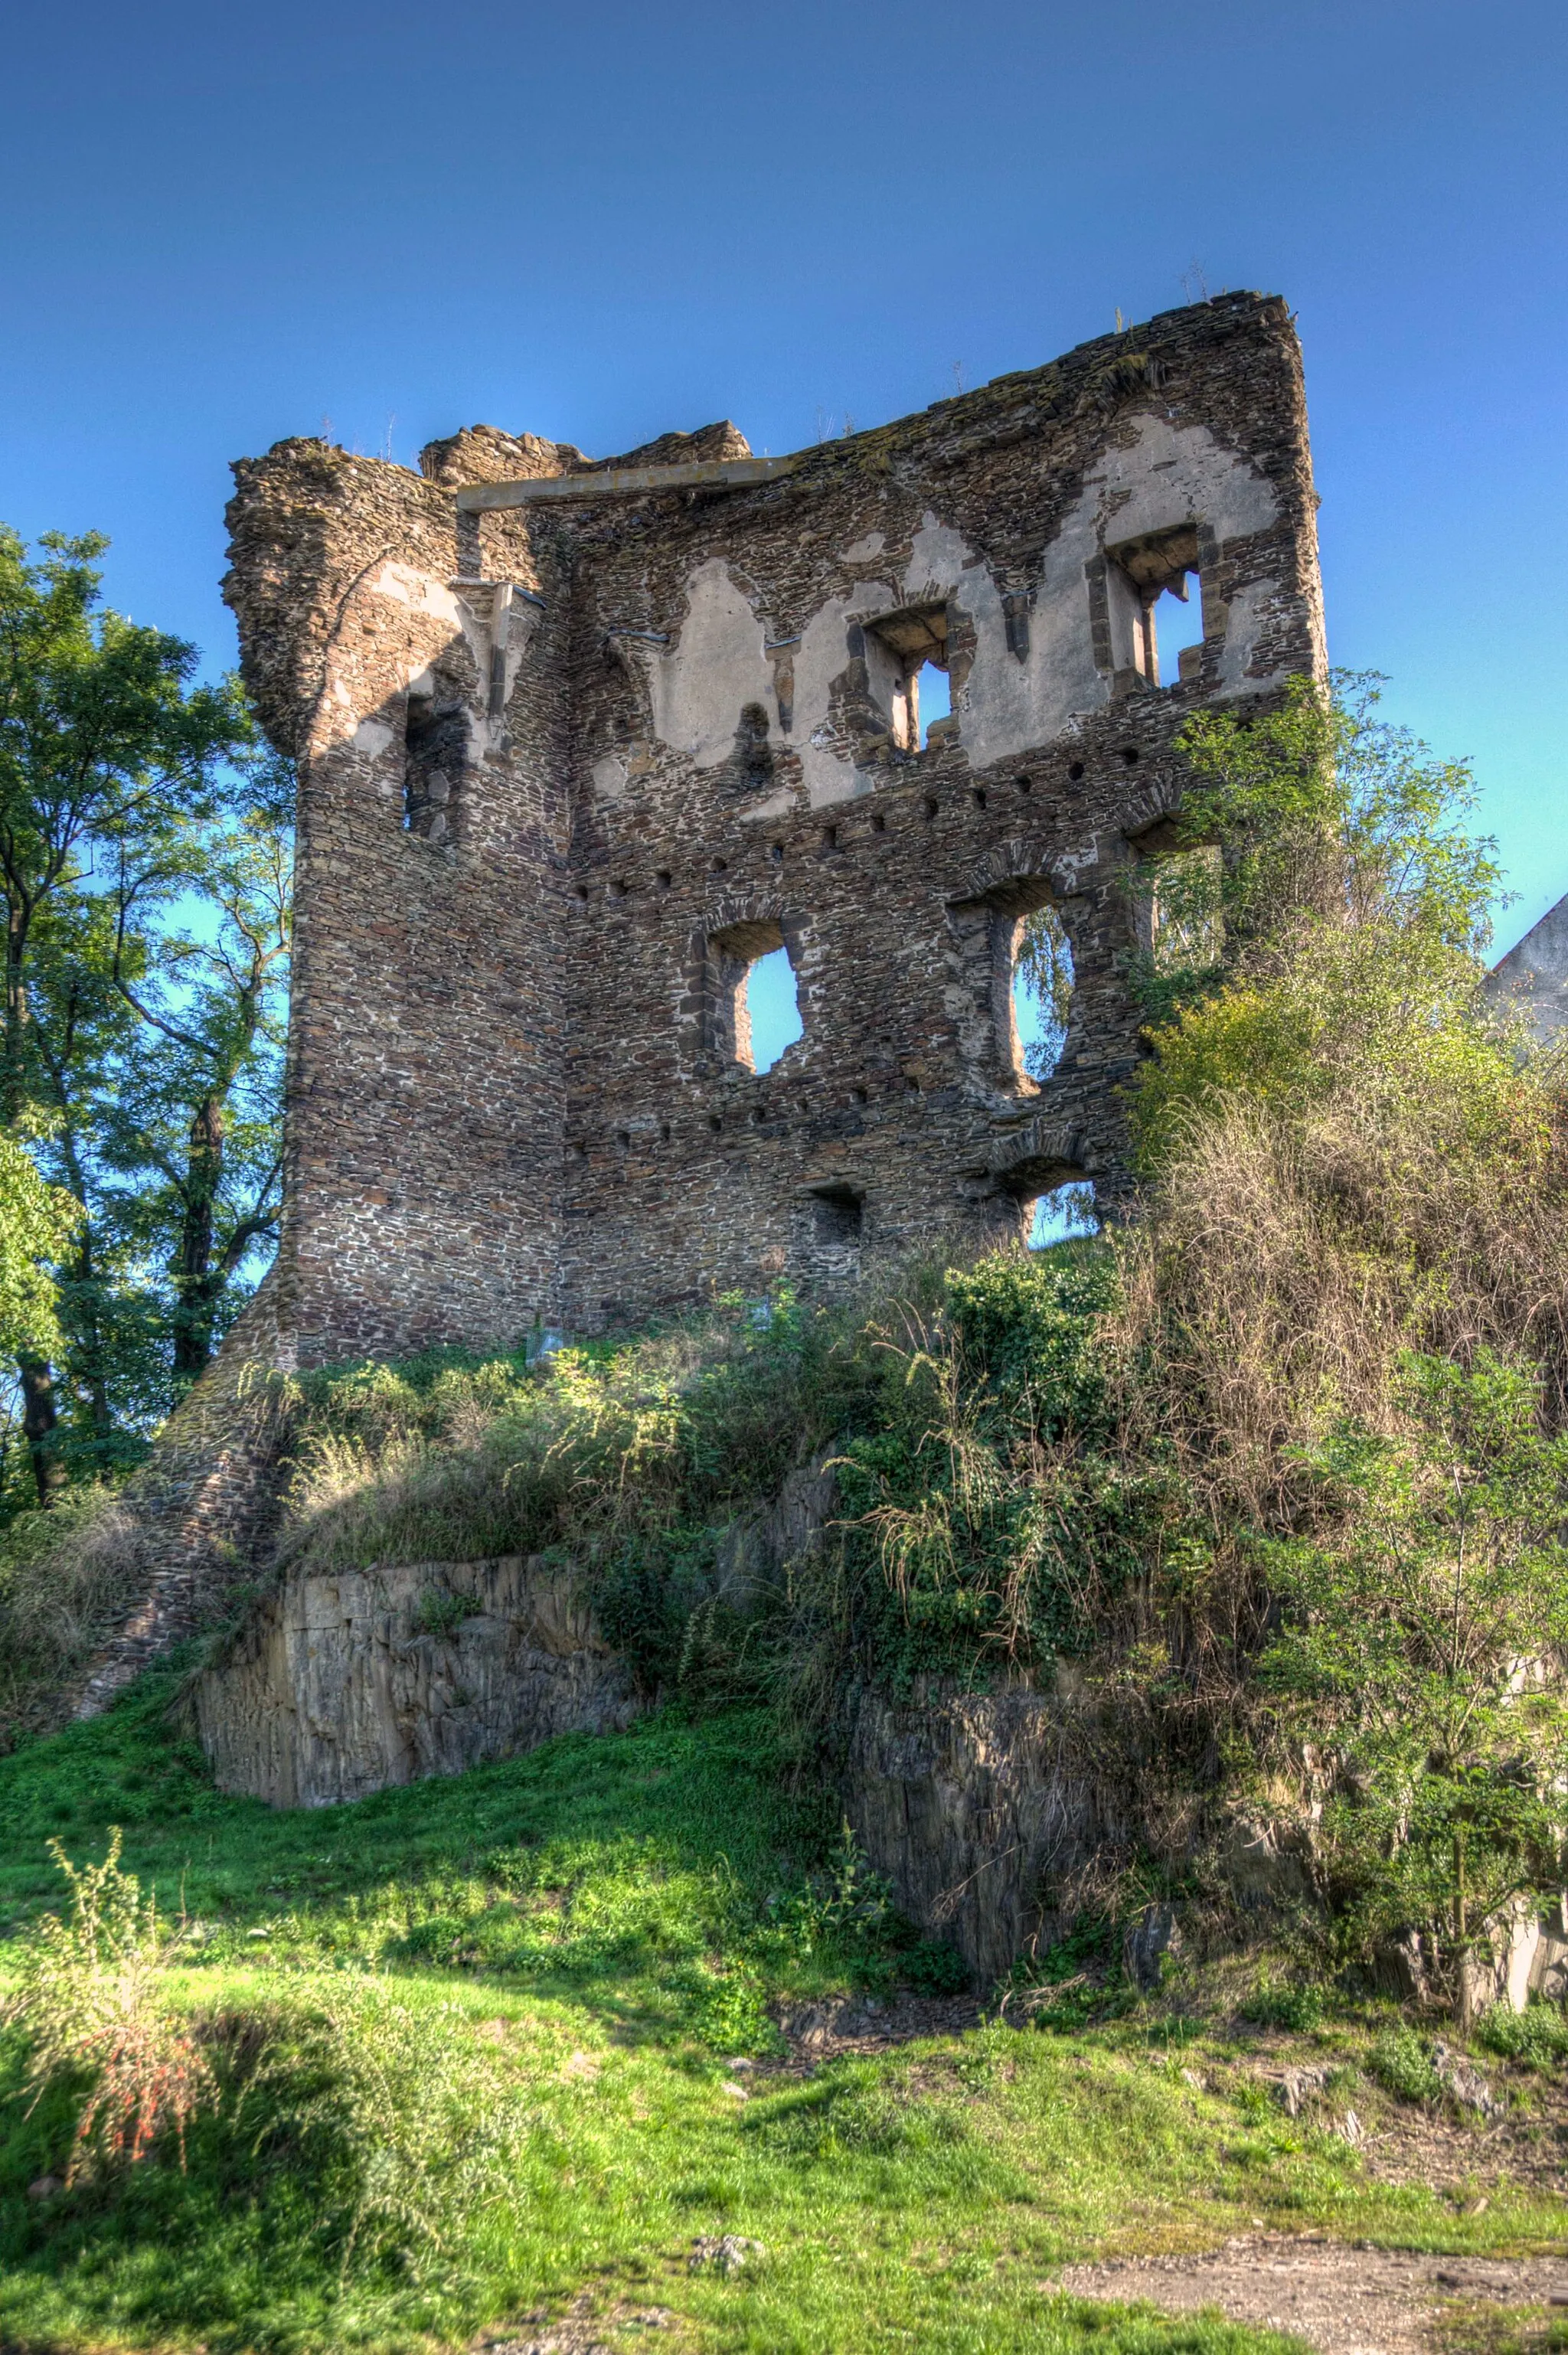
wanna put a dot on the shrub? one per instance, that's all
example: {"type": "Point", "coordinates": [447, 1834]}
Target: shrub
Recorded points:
{"type": "Point", "coordinates": [1420, 1640]}
{"type": "Point", "coordinates": [404, 2128]}
{"type": "Point", "coordinates": [1297, 2005]}
{"type": "Point", "coordinates": [1537, 2038]}
{"type": "Point", "coordinates": [933, 1968]}
{"type": "Point", "coordinates": [730, 2011]}
{"type": "Point", "coordinates": [90, 2005]}
{"type": "Point", "coordinates": [993, 1519]}
{"type": "Point", "coordinates": [1402, 2063]}
{"type": "Point", "coordinates": [442, 1613]}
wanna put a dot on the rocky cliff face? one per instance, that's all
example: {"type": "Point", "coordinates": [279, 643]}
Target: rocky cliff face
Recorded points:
{"type": "Point", "coordinates": [343, 1682]}
{"type": "Point", "coordinates": [971, 1807]}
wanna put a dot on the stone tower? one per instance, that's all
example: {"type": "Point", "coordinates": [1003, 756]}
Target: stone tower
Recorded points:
{"type": "Point", "coordinates": [580, 741]}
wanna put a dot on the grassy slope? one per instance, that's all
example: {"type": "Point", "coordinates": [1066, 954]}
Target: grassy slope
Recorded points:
{"type": "Point", "coordinates": [549, 1937]}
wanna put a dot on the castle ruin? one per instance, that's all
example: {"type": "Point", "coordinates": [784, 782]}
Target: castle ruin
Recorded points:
{"type": "Point", "coordinates": [579, 743]}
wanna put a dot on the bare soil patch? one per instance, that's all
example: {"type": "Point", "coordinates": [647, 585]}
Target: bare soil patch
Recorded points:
{"type": "Point", "coordinates": [1341, 2300]}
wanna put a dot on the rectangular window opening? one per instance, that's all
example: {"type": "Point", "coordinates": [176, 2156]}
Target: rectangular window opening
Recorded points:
{"type": "Point", "coordinates": [436, 740]}
{"type": "Point", "coordinates": [753, 1005]}
{"type": "Point", "coordinates": [906, 665]}
{"type": "Point", "coordinates": [1154, 592]}
{"type": "Point", "coordinates": [838, 1217]}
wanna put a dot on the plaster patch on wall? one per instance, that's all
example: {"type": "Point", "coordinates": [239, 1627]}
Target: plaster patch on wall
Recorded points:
{"type": "Point", "coordinates": [1163, 478]}
{"type": "Point", "coordinates": [777, 804]}
{"type": "Point", "coordinates": [719, 664]}
{"type": "Point", "coordinates": [419, 590]}
{"type": "Point", "coordinates": [372, 737]}
{"type": "Point", "coordinates": [716, 668]}
{"type": "Point", "coordinates": [824, 655]}
{"type": "Point", "coordinates": [1070, 867]}
{"type": "Point", "coordinates": [609, 778]}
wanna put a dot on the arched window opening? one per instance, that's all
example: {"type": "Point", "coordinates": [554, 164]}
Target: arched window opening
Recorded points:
{"type": "Point", "coordinates": [772, 1009]}
{"type": "Point", "coordinates": [1181, 913]}
{"type": "Point", "coordinates": [753, 1009]}
{"type": "Point", "coordinates": [1063, 1214]}
{"type": "Point", "coordinates": [1042, 990]}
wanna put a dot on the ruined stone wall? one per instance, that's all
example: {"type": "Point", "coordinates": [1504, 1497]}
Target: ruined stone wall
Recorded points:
{"type": "Point", "coordinates": [667, 724]}
{"type": "Point", "coordinates": [425, 1084]}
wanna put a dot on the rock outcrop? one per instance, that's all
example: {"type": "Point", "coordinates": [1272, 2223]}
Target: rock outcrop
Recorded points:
{"type": "Point", "coordinates": [342, 1682]}
{"type": "Point", "coordinates": [970, 1805]}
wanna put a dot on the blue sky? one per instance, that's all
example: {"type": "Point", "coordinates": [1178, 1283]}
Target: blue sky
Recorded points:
{"type": "Point", "coordinates": [221, 225]}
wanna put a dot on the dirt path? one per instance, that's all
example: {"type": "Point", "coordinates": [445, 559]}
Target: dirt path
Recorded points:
{"type": "Point", "coordinates": [1344, 2301]}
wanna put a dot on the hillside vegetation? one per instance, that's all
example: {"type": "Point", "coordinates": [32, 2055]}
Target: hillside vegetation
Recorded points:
{"type": "Point", "coordinates": [494, 2047]}
{"type": "Point", "coordinates": [1266, 1486]}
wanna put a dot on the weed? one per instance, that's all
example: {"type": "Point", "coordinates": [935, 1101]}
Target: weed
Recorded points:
{"type": "Point", "coordinates": [88, 2005]}
{"type": "Point", "coordinates": [1402, 2063]}
{"type": "Point", "coordinates": [1298, 2005]}
{"type": "Point", "coordinates": [1537, 2038]}
{"type": "Point", "coordinates": [442, 1613]}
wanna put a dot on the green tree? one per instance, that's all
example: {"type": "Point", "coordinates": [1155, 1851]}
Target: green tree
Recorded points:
{"type": "Point", "coordinates": [111, 761]}
{"type": "Point", "coordinates": [206, 1121]}
{"type": "Point", "coordinates": [101, 735]}
{"type": "Point", "coordinates": [1337, 936]}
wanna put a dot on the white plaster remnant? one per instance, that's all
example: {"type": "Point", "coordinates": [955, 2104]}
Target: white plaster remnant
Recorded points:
{"type": "Point", "coordinates": [716, 668]}
{"type": "Point", "coordinates": [777, 804]}
{"type": "Point", "coordinates": [609, 779]}
{"type": "Point", "coordinates": [420, 590]}
{"type": "Point", "coordinates": [1166, 476]}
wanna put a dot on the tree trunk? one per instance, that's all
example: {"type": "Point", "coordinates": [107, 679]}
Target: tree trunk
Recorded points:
{"type": "Point", "coordinates": [39, 1421]}
{"type": "Point", "coordinates": [14, 1079]}
{"type": "Point", "coordinates": [193, 1274]}
{"type": "Point", "coordinates": [89, 1335]}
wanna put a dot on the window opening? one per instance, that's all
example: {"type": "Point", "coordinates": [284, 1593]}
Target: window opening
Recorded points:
{"type": "Point", "coordinates": [1183, 922]}
{"type": "Point", "coordinates": [772, 1009]}
{"type": "Point", "coordinates": [933, 698]}
{"type": "Point", "coordinates": [906, 666]}
{"type": "Point", "coordinates": [1176, 628]}
{"type": "Point", "coordinates": [754, 754]}
{"type": "Point", "coordinates": [1155, 601]}
{"type": "Point", "coordinates": [1064, 1213]}
{"type": "Point", "coordinates": [1042, 990]}
{"type": "Point", "coordinates": [436, 740]}
{"type": "Point", "coordinates": [838, 1216]}
{"type": "Point", "coordinates": [753, 1006]}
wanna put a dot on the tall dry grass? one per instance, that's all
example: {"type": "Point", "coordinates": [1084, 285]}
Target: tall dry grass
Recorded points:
{"type": "Point", "coordinates": [66, 1578]}
{"type": "Point", "coordinates": [1284, 1262]}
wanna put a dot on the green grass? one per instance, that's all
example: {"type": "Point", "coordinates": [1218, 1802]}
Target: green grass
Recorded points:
{"type": "Point", "coordinates": [487, 2028]}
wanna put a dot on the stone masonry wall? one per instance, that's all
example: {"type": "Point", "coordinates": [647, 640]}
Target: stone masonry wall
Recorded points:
{"type": "Point", "coordinates": [569, 763]}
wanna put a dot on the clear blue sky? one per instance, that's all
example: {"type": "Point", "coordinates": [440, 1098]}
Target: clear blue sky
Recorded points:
{"type": "Point", "coordinates": [221, 224]}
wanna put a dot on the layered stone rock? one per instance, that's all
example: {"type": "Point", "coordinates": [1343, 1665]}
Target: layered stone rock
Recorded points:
{"type": "Point", "coordinates": [343, 1682]}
